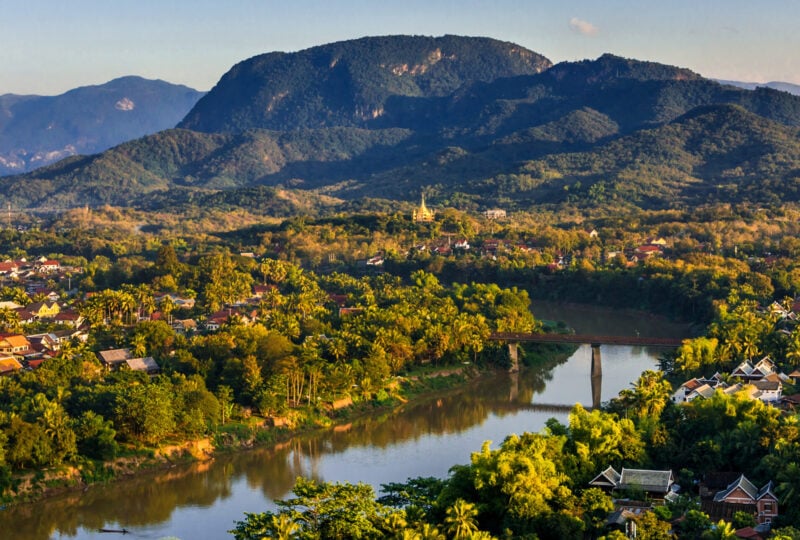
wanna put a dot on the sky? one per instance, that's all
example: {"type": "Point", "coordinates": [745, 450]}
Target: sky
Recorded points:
{"type": "Point", "coordinates": [50, 46]}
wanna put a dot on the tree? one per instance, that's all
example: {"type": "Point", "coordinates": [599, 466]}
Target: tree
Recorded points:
{"type": "Point", "coordinates": [144, 412]}
{"type": "Point", "coordinates": [651, 393]}
{"type": "Point", "coordinates": [596, 506]}
{"type": "Point", "coordinates": [461, 520]}
{"type": "Point", "coordinates": [9, 320]}
{"type": "Point", "coordinates": [694, 524]}
{"type": "Point", "coordinates": [224, 283]}
{"type": "Point", "coordinates": [649, 527]}
{"type": "Point", "coordinates": [319, 510]}
{"type": "Point", "coordinates": [696, 354]}
{"type": "Point", "coordinates": [721, 530]}
{"type": "Point", "coordinates": [96, 437]}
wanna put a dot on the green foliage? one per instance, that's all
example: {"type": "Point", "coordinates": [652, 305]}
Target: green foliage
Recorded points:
{"type": "Point", "coordinates": [335, 511]}
{"type": "Point", "coordinates": [143, 412]}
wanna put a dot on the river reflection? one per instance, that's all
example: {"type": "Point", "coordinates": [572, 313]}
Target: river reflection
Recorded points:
{"type": "Point", "coordinates": [420, 439]}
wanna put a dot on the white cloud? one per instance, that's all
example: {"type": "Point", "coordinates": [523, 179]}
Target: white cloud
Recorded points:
{"type": "Point", "coordinates": [583, 27]}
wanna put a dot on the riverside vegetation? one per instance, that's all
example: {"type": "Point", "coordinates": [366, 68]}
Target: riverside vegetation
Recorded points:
{"type": "Point", "coordinates": [292, 353]}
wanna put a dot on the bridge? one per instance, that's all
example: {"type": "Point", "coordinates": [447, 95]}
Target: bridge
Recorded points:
{"type": "Point", "coordinates": [633, 341]}
{"type": "Point", "coordinates": [596, 374]}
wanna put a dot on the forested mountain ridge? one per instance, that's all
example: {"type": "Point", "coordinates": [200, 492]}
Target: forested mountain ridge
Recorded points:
{"type": "Point", "coordinates": [39, 130]}
{"type": "Point", "coordinates": [610, 131]}
{"type": "Point", "coordinates": [348, 83]}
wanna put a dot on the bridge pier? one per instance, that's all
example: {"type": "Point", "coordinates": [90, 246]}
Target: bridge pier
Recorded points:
{"type": "Point", "coordinates": [513, 354]}
{"type": "Point", "coordinates": [596, 376]}
{"type": "Point", "coordinates": [597, 366]}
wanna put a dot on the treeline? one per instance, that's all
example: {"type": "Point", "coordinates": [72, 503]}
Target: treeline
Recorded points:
{"type": "Point", "coordinates": [290, 354]}
{"type": "Point", "coordinates": [535, 485]}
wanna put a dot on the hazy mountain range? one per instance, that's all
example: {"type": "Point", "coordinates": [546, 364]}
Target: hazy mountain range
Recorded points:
{"type": "Point", "coordinates": [472, 121]}
{"type": "Point", "coordinates": [775, 85]}
{"type": "Point", "coordinates": [38, 130]}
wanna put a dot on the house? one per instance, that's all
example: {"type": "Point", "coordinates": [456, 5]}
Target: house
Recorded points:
{"type": "Point", "coordinates": [14, 344]}
{"type": "Point", "coordinates": [695, 388]}
{"type": "Point", "coordinates": [377, 260]}
{"type": "Point", "coordinates": [9, 365]}
{"type": "Point", "coordinates": [684, 390]}
{"type": "Point", "coordinates": [9, 268]}
{"type": "Point", "coordinates": [44, 310]}
{"type": "Point", "coordinates": [742, 495]}
{"type": "Point", "coordinates": [461, 244]}
{"type": "Point", "coordinates": [52, 296]}
{"type": "Point", "coordinates": [656, 484]}
{"type": "Point", "coordinates": [491, 246]}
{"type": "Point", "coordinates": [147, 364]}
{"type": "Point", "coordinates": [117, 358]}
{"type": "Point", "coordinates": [184, 325]}
{"type": "Point", "coordinates": [494, 213]}
{"type": "Point", "coordinates": [69, 317]}
{"type": "Point", "coordinates": [748, 533]}
{"type": "Point", "coordinates": [260, 290]}
{"type": "Point", "coordinates": [767, 391]}
{"type": "Point", "coordinates": [25, 316]}
{"type": "Point", "coordinates": [44, 342]}
{"type": "Point", "coordinates": [114, 358]}
{"type": "Point", "coordinates": [656, 241]}
{"type": "Point", "coordinates": [750, 372]}
{"type": "Point", "coordinates": [47, 266]}
{"type": "Point", "coordinates": [179, 301]}
{"type": "Point", "coordinates": [65, 336]}
{"type": "Point", "coordinates": [646, 251]}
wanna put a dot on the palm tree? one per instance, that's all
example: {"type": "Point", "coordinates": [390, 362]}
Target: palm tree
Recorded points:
{"type": "Point", "coordinates": [722, 530]}
{"type": "Point", "coordinates": [167, 307]}
{"type": "Point", "coordinates": [9, 320]}
{"type": "Point", "coordinates": [284, 526]}
{"type": "Point", "coordinates": [460, 520]}
{"type": "Point", "coordinates": [429, 532]}
{"type": "Point", "coordinates": [138, 345]}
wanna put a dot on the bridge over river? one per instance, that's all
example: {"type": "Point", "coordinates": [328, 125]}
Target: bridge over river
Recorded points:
{"type": "Point", "coordinates": [596, 373]}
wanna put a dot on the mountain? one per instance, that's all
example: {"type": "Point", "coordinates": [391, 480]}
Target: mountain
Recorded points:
{"type": "Point", "coordinates": [611, 131]}
{"type": "Point", "coordinates": [348, 83]}
{"type": "Point", "coordinates": [38, 130]}
{"type": "Point", "coordinates": [793, 89]}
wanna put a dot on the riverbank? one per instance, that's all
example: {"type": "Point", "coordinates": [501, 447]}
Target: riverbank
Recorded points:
{"type": "Point", "coordinates": [250, 432]}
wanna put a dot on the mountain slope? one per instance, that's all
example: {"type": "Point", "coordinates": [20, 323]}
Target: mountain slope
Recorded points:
{"type": "Point", "coordinates": [610, 131]}
{"type": "Point", "coordinates": [38, 130]}
{"type": "Point", "coordinates": [719, 153]}
{"type": "Point", "coordinates": [348, 83]}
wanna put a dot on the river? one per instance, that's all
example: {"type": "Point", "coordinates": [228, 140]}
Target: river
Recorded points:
{"type": "Point", "coordinates": [425, 438]}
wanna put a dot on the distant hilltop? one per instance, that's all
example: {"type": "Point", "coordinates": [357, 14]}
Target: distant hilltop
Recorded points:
{"type": "Point", "coordinates": [39, 130]}
{"type": "Point", "coordinates": [793, 89]}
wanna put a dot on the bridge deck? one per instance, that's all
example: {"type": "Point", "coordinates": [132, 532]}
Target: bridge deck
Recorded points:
{"type": "Point", "coordinates": [586, 338]}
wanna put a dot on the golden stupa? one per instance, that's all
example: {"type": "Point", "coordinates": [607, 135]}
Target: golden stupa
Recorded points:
{"type": "Point", "coordinates": [423, 213]}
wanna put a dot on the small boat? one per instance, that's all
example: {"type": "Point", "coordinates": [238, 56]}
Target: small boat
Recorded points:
{"type": "Point", "coordinates": [118, 531]}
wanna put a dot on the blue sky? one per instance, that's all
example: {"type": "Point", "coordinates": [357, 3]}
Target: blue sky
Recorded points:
{"type": "Point", "coordinates": [48, 47]}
